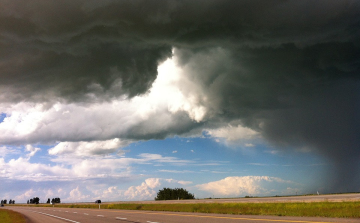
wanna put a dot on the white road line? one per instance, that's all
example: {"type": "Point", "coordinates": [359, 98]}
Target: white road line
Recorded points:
{"type": "Point", "coordinates": [120, 218]}
{"type": "Point", "coordinates": [65, 219]}
{"type": "Point", "coordinates": [86, 214]}
{"type": "Point", "coordinates": [152, 222]}
{"type": "Point", "coordinates": [100, 215]}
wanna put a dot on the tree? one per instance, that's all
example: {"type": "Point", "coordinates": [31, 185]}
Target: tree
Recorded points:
{"type": "Point", "coordinates": [55, 200]}
{"type": "Point", "coordinates": [28, 202]}
{"type": "Point", "coordinates": [34, 200]}
{"type": "Point", "coordinates": [173, 194]}
{"type": "Point", "coordinates": [5, 201]}
{"type": "Point", "coordinates": [48, 201]}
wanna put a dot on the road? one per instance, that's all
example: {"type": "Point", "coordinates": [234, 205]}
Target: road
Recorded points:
{"type": "Point", "coordinates": [77, 215]}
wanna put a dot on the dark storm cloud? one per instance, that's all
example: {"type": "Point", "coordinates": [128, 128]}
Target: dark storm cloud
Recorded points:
{"type": "Point", "coordinates": [63, 50]}
{"type": "Point", "coordinates": [328, 122]}
{"type": "Point", "coordinates": [294, 96]}
{"type": "Point", "coordinates": [73, 49]}
{"type": "Point", "coordinates": [289, 69]}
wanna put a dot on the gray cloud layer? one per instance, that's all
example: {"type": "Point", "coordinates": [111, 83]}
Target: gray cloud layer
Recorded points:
{"type": "Point", "coordinates": [289, 69]}
{"type": "Point", "coordinates": [71, 49]}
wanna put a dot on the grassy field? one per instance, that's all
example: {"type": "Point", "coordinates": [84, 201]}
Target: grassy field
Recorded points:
{"type": "Point", "coordinates": [8, 216]}
{"type": "Point", "coordinates": [316, 209]}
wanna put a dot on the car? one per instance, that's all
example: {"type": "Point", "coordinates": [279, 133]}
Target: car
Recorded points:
{"type": "Point", "coordinates": [98, 202]}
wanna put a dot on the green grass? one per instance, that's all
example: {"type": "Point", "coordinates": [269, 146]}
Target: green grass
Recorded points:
{"type": "Point", "coordinates": [315, 209]}
{"type": "Point", "coordinates": [8, 216]}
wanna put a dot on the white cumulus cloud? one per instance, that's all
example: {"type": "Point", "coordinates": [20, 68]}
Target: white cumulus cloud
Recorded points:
{"type": "Point", "coordinates": [148, 189]}
{"type": "Point", "coordinates": [67, 123]}
{"type": "Point", "coordinates": [245, 185]}
{"type": "Point", "coordinates": [88, 148]}
{"type": "Point", "coordinates": [234, 133]}
{"type": "Point", "coordinates": [32, 150]}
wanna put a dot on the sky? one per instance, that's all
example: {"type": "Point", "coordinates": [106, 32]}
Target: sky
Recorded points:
{"type": "Point", "coordinates": [117, 99]}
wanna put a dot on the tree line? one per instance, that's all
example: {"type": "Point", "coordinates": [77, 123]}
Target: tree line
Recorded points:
{"type": "Point", "coordinates": [174, 194]}
{"type": "Point", "coordinates": [36, 200]}
{"type": "Point", "coordinates": [5, 201]}
{"type": "Point", "coordinates": [54, 201]}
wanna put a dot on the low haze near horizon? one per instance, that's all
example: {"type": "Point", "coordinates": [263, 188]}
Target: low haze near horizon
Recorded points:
{"type": "Point", "coordinates": [114, 100]}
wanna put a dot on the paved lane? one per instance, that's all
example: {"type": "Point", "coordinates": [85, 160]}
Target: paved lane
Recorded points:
{"type": "Point", "coordinates": [33, 217]}
{"type": "Point", "coordinates": [57, 215]}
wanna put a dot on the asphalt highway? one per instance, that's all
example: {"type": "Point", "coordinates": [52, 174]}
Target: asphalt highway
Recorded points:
{"type": "Point", "coordinates": [77, 215]}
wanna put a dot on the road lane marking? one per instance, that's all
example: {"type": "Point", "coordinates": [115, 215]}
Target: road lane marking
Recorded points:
{"type": "Point", "coordinates": [218, 217]}
{"type": "Point", "coordinates": [215, 217]}
{"type": "Point", "coordinates": [65, 219]}
{"type": "Point", "coordinates": [86, 214]}
{"type": "Point", "coordinates": [120, 218]}
{"type": "Point", "coordinates": [249, 219]}
{"type": "Point", "coordinates": [100, 215]}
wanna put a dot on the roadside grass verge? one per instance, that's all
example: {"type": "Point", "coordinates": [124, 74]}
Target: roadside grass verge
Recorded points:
{"type": "Point", "coordinates": [314, 209]}
{"type": "Point", "coordinates": [8, 216]}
